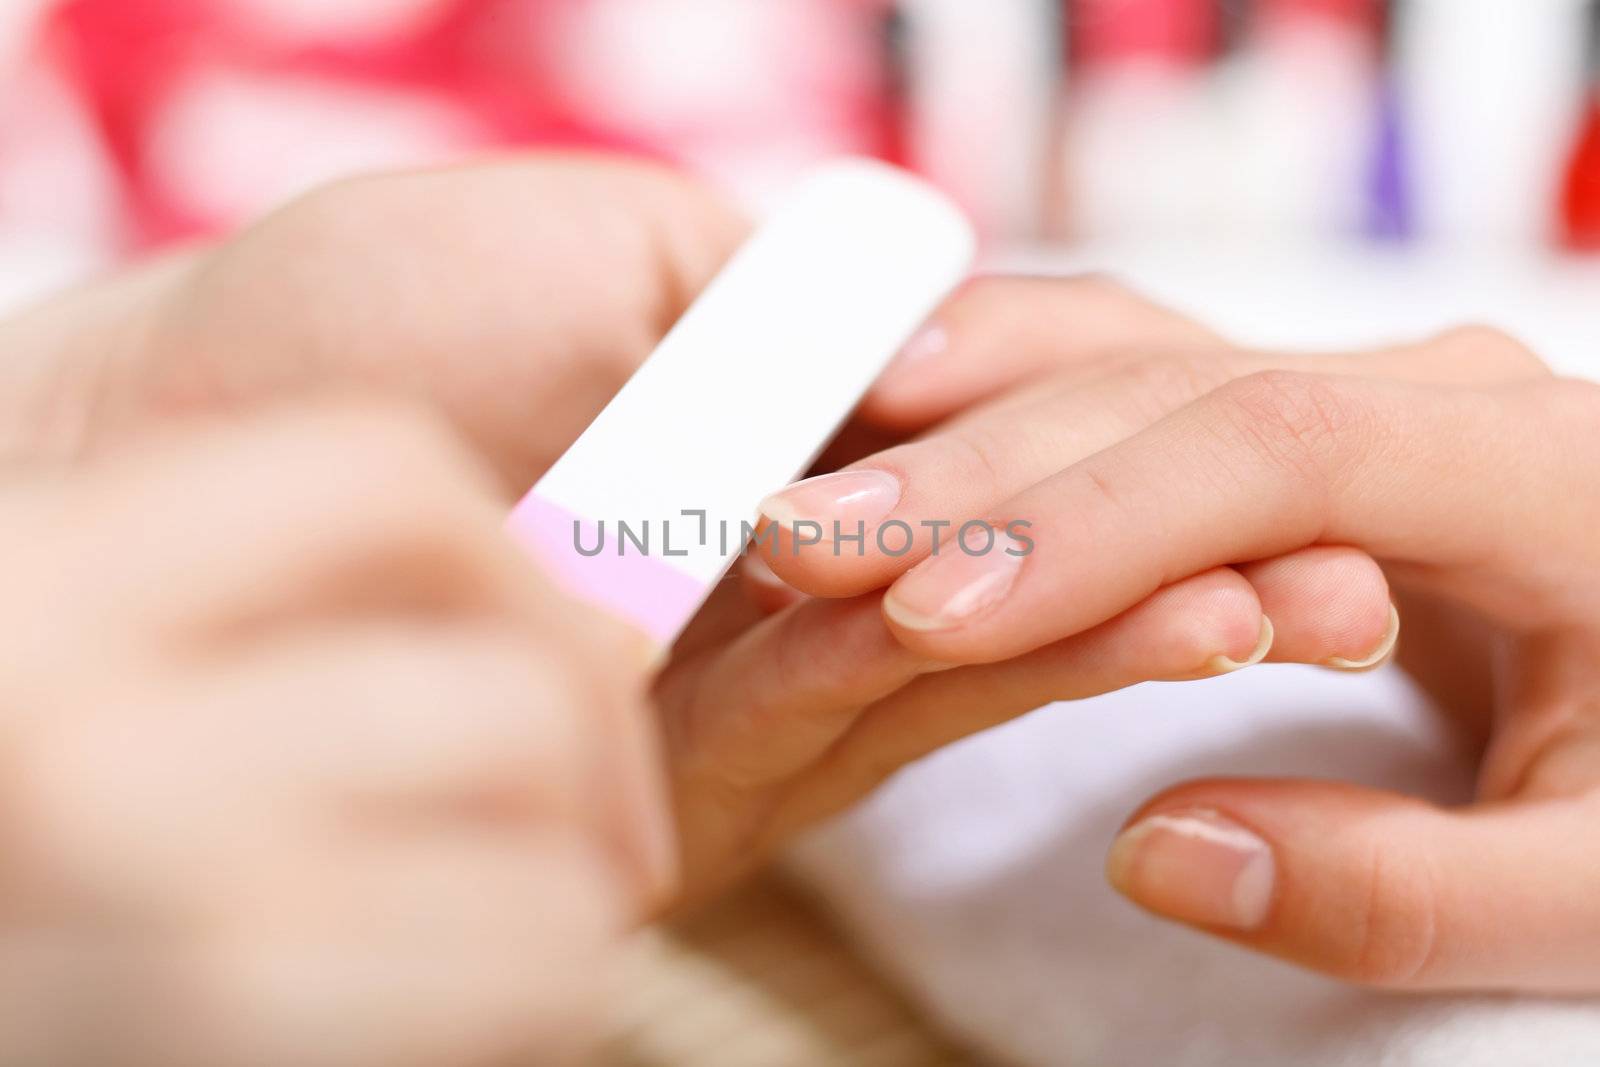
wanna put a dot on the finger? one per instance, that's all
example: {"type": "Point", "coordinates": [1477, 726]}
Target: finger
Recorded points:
{"type": "Point", "coordinates": [845, 533]}
{"type": "Point", "coordinates": [740, 722]}
{"type": "Point", "coordinates": [1307, 607]}
{"type": "Point", "coordinates": [367, 282]}
{"type": "Point", "coordinates": [1323, 602]}
{"type": "Point", "coordinates": [1374, 887]}
{"type": "Point", "coordinates": [880, 516]}
{"type": "Point", "coordinates": [1204, 626]}
{"type": "Point", "coordinates": [997, 332]}
{"type": "Point", "coordinates": [1329, 606]}
{"type": "Point", "coordinates": [1267, 465]}
{"type": "Point", "coordinates": [751, 714]}
{"type": "Point", "coordinates": [452, 726]}
{"type": "Point", "coordinates": [333, 509]}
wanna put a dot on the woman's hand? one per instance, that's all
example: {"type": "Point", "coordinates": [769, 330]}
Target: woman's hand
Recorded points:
{"type": "Point", "coordinates": [1179, 493]}
{"type": "Point", "coordinates": [304, 763]}
{"type": "Point", "coordinates": [512, 297]}
{"type": "Point", "coordinates": [775, 723]}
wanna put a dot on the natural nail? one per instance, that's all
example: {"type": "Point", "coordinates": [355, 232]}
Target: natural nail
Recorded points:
{"type": "Point", "coordinates": [1196, 866]}
{"type": "Point", "coordinates": [1221, 664]}
{"type": "Point", "coordinates": [952, 588]}
{"type": "Point", "coordinates": [1391, 637]}
{"type": "Point", "coordinates": [847, 497]}
{"type": "Point", "coordinates": [930, 341]}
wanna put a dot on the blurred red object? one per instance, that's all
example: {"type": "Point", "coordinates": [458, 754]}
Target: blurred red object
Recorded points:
{"type": "Point", "coordinates": [1580, 195]}
{"type": "Point", "coordinates": [1181, 32]}
{"type": "Point", "coordinates": [209, 111]}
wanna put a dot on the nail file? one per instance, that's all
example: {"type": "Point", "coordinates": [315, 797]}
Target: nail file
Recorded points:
{"type": "Point", "coordinates": [645, 513]}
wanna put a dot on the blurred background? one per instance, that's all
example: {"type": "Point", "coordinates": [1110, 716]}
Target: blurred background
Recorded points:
{"type": "Point", "coordinates": [129, 124]}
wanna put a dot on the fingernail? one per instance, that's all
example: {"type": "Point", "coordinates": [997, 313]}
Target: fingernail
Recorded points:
{"type": "Point", "coordinates": [930, 341]}
{"type": "Point", "coordinates": [1391, 637]}
{"type": "Point", "coordinates": [1195, 866]}
{"type": "Point", "coordinates": [950, 589]}
{"type": "Point", "coordinates": [1222, 664]}
{"type": "Point", "coordinates": [849, 497]}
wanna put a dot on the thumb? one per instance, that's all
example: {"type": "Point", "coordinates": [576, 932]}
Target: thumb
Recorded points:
{"type": "Point", "coordinates": [1375, 887]}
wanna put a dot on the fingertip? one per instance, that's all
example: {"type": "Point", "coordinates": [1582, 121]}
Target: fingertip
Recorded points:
{"type": "Point", "coordinates": [1331, 605]}
{"type": "Point", "coordinates": [1380, 652]}
{"type": "Point", "coordinates": [1213, 620]}
{"type": "Point", "coordinates": [1195, 865]}
{"type": "Point", "coordinates": [1226, 664]}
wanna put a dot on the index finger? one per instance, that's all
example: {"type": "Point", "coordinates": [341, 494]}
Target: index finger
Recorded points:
{"type": "Point", "coordinates": [1443, 479]}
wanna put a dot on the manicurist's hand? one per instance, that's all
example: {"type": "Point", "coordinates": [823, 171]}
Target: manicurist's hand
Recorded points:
{"type": "Point", "coordinates": [1188, 500]}
{"type": "Point", "coordinates": [304, 764]}
{"type": "Point", "coordinates": [512, 297]}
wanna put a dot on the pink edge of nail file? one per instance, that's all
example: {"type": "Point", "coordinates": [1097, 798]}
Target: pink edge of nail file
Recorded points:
{"type": "Point", "coordinates": [744, 392]}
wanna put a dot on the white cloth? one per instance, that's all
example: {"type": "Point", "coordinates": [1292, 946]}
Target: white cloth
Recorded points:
{"type": "Point", "coordinates": [975, 879]}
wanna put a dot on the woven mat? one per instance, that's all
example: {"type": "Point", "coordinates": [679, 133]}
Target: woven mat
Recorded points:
{"type": "Point", "coordinates": [761, 980]}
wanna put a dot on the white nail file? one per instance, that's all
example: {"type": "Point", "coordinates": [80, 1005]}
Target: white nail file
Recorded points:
{"type": "Point", "coordinates": [647, 510]}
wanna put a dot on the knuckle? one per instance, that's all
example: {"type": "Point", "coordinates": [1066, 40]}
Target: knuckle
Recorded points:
{"type": "Point", "coordinates": [1481, 341]}
{"type": "Point", "coordinates": [1292, 418]}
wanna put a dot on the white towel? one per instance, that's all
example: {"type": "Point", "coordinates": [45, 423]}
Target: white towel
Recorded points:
{"type": "Point", "coordinates": [975, 880]}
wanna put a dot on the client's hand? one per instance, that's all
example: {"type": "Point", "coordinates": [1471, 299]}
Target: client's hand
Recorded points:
{"type": "Point", "coordinates": [1180, 493]}
{"type": "Point", "coordinates": [304, 764]}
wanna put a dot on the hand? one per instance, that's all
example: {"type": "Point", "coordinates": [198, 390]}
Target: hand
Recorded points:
{"type": "Point", "coordinates": [304, 763]}
{"type": "Point", "coordinates": [775, 723]}
{"type": "Point", "coordinates": [512, 297]}
{"type": "Point", "coordinates": [1180, 492]}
